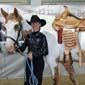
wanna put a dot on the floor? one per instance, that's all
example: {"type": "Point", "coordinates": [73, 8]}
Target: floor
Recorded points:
{"type": "Point", "coordinates": [64, 80]}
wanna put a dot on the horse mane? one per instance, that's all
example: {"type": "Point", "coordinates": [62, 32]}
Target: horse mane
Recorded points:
{"type": "Point", "coordinates": [66, 13]}
{"type": "Point", "coordinates": [72, 15]}
{"type": "Point", "coordinates": [12, 16]}
{"type": "Point", "coordinates": [67, 18]}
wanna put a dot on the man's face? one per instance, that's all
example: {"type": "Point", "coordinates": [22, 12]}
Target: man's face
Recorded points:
{"type": "Point", "coordinates": [36, 26]}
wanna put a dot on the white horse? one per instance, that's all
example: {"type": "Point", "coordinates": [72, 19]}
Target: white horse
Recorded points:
{"type": "Point", "coordinates": [15, 25]}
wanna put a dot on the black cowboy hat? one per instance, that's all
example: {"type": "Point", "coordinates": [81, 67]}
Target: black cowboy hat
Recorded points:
{"type": "Point", "coordinates": [35, 18]}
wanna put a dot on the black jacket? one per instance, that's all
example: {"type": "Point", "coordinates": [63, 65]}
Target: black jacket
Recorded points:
{"type": "Point", "coordinates": [36, 43]}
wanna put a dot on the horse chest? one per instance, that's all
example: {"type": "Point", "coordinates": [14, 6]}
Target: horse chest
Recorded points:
{"type": "Point", "coordinates": [69, 38]}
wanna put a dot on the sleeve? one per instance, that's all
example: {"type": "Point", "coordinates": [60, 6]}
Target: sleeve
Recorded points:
{"type": "Point", "coordinates": [43, 51]}
{"type": "Point", "coordinates": [24, 45]}
{"type": "Point", "coordinates": [45, 47]}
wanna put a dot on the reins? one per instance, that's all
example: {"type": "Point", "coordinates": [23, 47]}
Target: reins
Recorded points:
{"type": "Point", "coordinates": [32, 79]}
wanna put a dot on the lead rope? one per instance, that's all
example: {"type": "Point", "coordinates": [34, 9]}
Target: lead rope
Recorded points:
{"type": "Point", "coordinates": [32, 79]}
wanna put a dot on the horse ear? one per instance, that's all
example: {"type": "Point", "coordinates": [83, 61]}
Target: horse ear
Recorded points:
{"type": "Point", "coordinates": [5, 14]}
{"type": "Point", "coordinates": [16, 12]}
{"type": "Point", "coordinates": [66, 9]}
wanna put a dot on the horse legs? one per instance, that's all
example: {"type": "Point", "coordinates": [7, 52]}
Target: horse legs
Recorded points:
{"type": "Point", "coordinates": [69, 67]}
{"type": "Point", "coordinates": [56, 76]}
{"type": "Point", "coordinates": [71, 72]}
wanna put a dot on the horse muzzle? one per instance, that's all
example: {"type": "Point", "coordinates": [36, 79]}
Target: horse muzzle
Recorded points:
{"type": "Point", "coordinates": [10, 48]}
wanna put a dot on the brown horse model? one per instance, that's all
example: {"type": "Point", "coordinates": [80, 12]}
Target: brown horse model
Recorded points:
{"type": "Point", "coordinates": [68, 26]}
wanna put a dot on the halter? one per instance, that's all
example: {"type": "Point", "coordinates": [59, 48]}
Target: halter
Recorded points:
{"type": "Point", "coordinates": [20, 30]}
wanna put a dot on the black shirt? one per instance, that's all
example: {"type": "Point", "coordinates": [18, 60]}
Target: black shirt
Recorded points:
{"type": "Point", "coordinates": [36, 43]}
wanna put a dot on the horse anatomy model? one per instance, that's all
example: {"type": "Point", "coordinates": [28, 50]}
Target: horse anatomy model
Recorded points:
{"type": "Point", "coordinates": [68, 26]}
{"type": "Point", "coordinates": [15, 26]}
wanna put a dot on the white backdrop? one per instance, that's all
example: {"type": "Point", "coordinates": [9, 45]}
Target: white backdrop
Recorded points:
{"type": "Point", "coordinates": [12, 66]}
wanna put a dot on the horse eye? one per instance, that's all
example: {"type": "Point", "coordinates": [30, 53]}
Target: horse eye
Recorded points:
{"type": "Point", "coordinates": [16, 27]}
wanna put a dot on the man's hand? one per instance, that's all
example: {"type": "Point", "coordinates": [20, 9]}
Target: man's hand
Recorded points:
{"type": "Point", "coordinates": [30, 55]}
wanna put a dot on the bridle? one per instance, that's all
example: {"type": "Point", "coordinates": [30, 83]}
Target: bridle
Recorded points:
{"type": "Point", "coordinates": [20, 30]}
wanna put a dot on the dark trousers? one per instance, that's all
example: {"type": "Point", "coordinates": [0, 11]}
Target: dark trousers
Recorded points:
{"type": "Point", "coordinates": [38, 65]}
{"type": "Point", "coordinates": [0, 41]}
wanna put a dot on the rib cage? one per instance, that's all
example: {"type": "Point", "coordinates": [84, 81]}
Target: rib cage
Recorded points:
{"type": "Point", "coordinates": [69, 38]}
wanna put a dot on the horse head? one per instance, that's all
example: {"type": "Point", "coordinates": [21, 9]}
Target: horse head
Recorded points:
{"type": "Point", "coordinates": [12, 24]}
{"type": "Point", "coordinates": [66, 18]}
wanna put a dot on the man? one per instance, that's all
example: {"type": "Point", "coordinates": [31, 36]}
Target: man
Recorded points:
{"type": "Point", "coordinates": [37, 48]}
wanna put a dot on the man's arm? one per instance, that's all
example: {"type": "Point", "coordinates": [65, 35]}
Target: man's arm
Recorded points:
{"type": "Point", "coordinates": [45, 46]}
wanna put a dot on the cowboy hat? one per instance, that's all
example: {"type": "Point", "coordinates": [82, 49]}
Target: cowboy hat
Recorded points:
{"type": "Point", "coordinates": [35, 18]}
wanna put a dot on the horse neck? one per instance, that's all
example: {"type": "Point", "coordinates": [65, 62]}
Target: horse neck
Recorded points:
{"type": "Point", "coordinates": [25, 25]}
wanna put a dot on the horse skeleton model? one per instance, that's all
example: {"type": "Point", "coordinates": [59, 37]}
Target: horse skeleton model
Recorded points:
{"type": "Point", "coordinates": [70, 27]}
